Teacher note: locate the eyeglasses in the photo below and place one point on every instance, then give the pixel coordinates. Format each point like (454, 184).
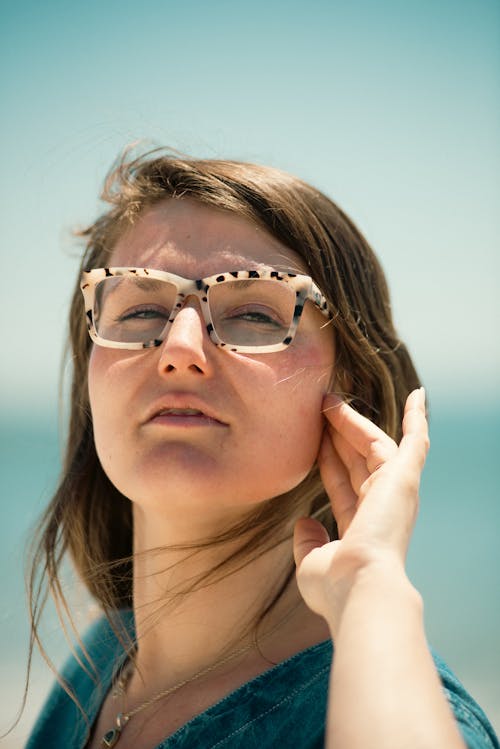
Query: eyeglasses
(249, 311)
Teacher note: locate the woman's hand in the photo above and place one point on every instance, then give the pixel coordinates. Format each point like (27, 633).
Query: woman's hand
(373, 488)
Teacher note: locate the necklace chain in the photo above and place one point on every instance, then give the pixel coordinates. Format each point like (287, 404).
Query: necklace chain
(113, 735)
(203, 672)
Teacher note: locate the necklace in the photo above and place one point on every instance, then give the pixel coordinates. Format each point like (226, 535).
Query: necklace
(112, 736)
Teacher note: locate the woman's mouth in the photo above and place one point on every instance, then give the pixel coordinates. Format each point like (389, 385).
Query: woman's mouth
(184, 417)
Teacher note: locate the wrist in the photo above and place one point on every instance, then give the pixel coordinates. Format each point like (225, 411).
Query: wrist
(376, 591)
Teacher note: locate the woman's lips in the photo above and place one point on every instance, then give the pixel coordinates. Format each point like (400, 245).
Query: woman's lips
(184, 417)
(183, 409)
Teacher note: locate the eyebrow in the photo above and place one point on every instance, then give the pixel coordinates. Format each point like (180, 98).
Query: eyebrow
(106, 291)
(150, 283)
(243, 283)
(139, 282)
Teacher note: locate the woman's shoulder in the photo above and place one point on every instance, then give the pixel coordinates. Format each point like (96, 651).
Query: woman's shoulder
(291, 699)
(475, 727)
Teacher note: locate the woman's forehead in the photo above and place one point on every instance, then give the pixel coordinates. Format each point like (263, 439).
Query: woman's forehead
(195, 240)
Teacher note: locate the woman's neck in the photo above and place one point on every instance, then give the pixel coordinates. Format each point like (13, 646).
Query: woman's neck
(184, 624)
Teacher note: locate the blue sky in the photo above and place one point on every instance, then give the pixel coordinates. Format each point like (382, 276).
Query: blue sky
(392, 108)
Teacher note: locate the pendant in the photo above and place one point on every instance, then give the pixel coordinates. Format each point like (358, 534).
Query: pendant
(112, 736)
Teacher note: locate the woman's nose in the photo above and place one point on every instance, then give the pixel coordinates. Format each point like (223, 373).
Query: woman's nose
(187, 342)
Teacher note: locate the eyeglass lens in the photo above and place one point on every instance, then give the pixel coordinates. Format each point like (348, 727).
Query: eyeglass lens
(253, 312)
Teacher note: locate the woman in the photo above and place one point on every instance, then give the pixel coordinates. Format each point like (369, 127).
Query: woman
(242, 384)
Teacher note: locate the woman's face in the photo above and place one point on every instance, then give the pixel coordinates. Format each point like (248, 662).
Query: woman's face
(260, 425)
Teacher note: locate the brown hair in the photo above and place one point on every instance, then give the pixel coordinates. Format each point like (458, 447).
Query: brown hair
(87, 516)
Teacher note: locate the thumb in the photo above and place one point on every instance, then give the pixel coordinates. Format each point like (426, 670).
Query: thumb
(308, 535)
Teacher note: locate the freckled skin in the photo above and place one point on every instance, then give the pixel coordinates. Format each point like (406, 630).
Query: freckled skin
(269, 403)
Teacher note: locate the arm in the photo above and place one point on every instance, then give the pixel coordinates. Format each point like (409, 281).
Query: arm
(384, 689)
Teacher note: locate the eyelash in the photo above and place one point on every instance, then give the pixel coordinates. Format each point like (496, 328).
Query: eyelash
(251, 315)
(134, 314)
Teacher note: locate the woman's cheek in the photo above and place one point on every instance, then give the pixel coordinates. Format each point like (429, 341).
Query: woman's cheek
(107, 412)
(302, 393)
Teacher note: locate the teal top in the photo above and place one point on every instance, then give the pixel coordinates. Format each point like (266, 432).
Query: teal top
(285, 706)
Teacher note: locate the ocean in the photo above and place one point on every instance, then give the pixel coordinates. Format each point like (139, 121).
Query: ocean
(454, 559)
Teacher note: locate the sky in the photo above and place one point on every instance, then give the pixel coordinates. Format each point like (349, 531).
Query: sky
(391, 108)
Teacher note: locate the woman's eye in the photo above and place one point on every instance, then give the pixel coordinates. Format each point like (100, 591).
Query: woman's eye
(143, 314)
(256, 316)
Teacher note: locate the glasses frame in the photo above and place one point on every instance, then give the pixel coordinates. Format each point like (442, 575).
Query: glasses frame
(303, 286)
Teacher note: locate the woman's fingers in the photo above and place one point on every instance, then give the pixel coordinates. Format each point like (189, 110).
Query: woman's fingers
(337, 482)
(375, 509)
(352, 450)
(313, 552)
(351, 458)
(308, 535)
(415, 443)
(371, 442)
